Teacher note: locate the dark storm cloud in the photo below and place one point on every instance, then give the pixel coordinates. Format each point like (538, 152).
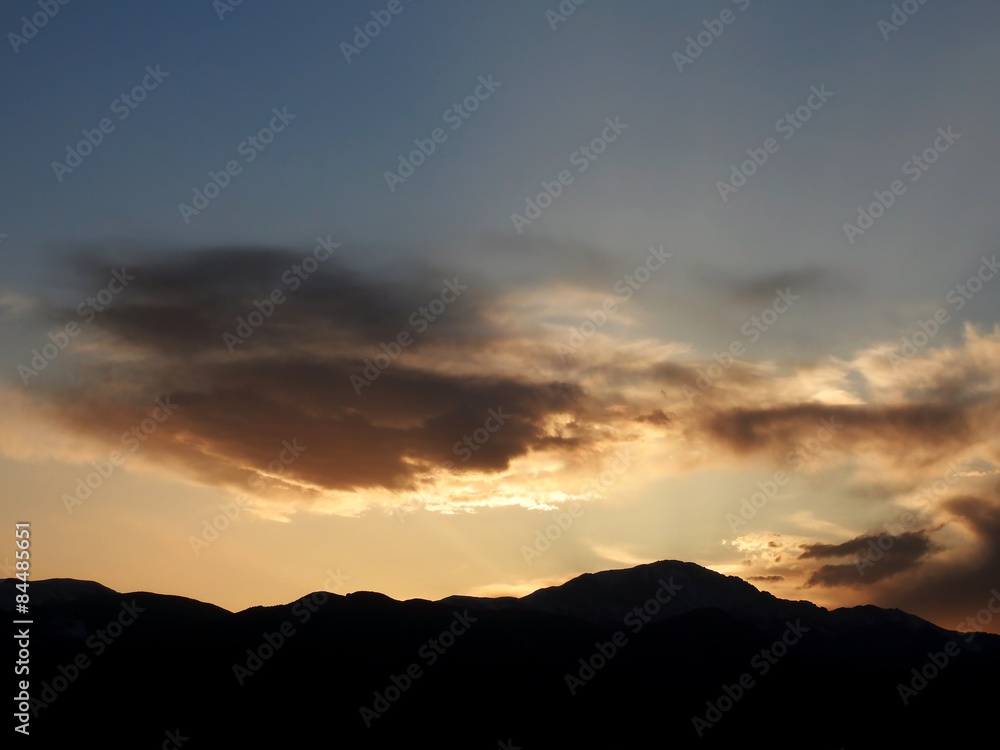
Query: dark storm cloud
(760, 289)
(848, 575)
(184, 304)
(745, 430)
(905, 552)
(292, 378)
(241, 415)
(657, 417)
(671, 373)
(910, 543)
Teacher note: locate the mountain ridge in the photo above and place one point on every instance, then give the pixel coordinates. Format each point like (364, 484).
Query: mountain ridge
(603, 660)
(729, 593)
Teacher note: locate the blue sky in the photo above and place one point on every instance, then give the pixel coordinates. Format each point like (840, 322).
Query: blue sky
(657, 185)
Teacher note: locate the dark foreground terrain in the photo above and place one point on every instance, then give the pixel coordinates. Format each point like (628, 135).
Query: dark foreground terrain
(662, 655)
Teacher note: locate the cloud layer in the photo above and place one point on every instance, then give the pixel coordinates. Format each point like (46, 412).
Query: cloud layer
(415, 385)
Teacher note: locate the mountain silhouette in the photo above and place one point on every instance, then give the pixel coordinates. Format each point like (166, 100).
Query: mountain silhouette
(668, 654)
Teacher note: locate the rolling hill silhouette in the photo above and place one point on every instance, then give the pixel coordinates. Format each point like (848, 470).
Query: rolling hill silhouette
(668, 654)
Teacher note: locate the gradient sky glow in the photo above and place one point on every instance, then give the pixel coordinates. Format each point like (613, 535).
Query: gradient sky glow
(594, 359)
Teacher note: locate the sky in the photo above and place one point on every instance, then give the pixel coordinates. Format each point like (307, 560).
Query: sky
(468, 298)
